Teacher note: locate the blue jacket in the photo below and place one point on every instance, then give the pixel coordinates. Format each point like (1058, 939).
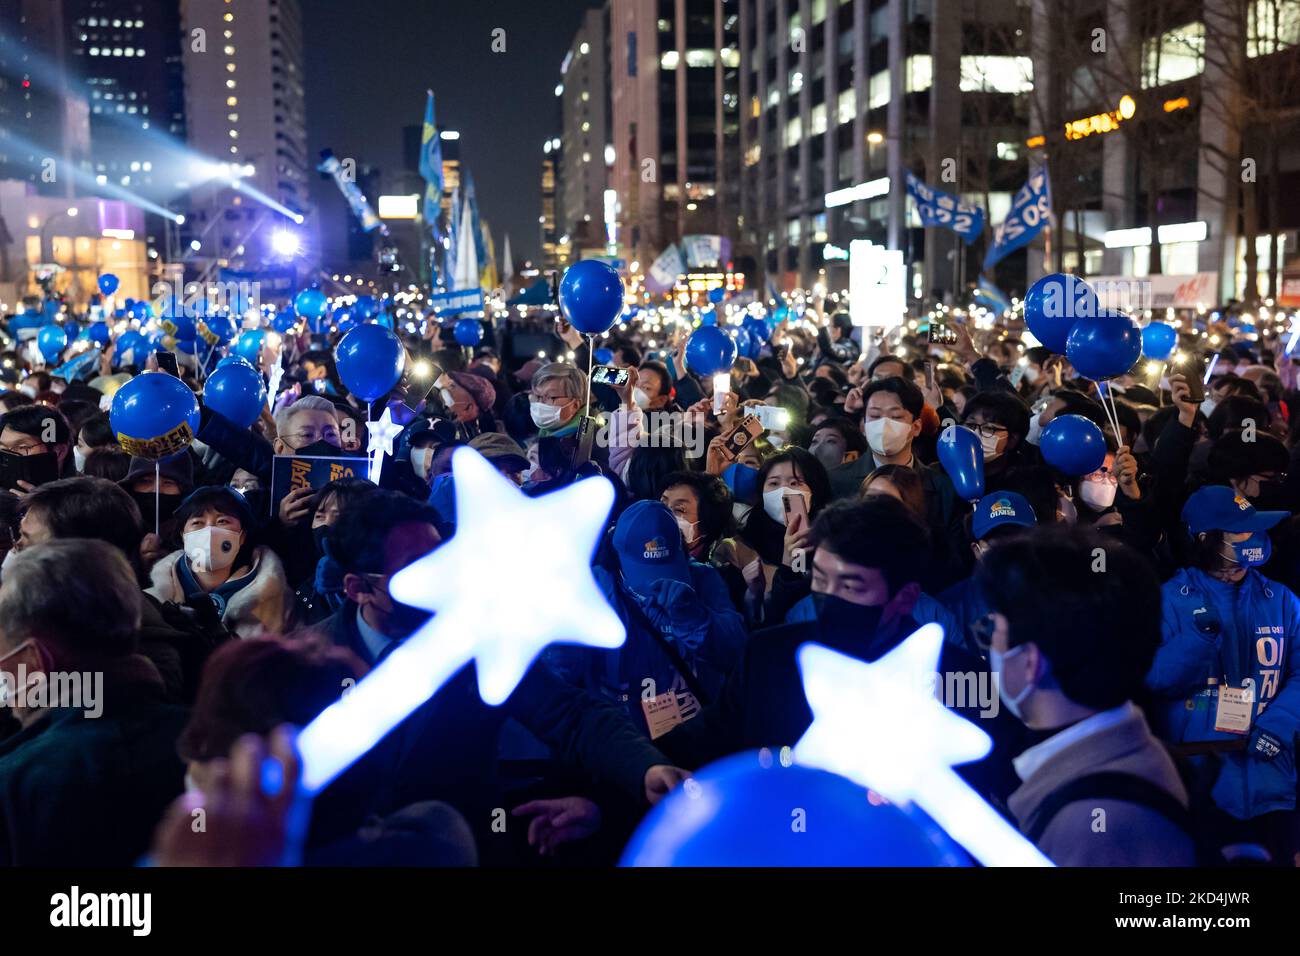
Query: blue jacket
(698, 620)
(1225, 632)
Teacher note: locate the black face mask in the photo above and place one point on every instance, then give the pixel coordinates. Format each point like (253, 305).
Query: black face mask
(167, 505)
(838, 616)
(319, 537)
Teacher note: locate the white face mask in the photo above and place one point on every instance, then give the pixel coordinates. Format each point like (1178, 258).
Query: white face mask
(421, 462)
(544, 416)
(5, 563)
(1032, 374)
(774, 502)
(1097, 495)
(996, 660)
(687, 529)
(886, 436)
(78, 459)
(1035, 431)
(990, 446)
(211, 549)
(1208, 406)
(639, 398)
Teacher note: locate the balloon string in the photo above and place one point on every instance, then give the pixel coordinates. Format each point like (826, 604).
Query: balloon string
(591, 351)
(1112, 414)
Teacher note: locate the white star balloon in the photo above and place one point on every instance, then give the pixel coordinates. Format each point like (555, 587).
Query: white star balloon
(880, 725)
(382, 435)
(515, 577)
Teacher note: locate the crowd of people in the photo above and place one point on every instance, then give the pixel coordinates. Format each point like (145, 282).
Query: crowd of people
(1132, 625)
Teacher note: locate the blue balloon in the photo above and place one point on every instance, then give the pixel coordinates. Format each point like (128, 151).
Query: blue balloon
(1159, 340)
(236, 391)
(370, 360)
(365, 308)
(180, 326)
(1072, 444)
(311, 303)
(757, 327)
(1054, 304)
(717, 295)
(98, 332)
(468, 332)
(1104, 346)
(710, 350)
(737, 813)
(154, 415)
(108, 283)
(962, 458)
(51, 340)
(130, 348)
(72, 329)
(709, 317)
(591, 295)
(215, 331)
(603, 356)
(747, 345)
(188, 346)
(282, 322)
(249, 345)
(345, 325)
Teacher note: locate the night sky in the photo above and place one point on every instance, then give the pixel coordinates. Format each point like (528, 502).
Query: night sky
(369, 63)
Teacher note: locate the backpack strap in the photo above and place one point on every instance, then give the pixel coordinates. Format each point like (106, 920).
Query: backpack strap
(1123, 787)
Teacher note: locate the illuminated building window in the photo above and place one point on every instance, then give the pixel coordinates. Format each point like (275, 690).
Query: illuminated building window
(997, 74)
(1173, 56)
(847, 106)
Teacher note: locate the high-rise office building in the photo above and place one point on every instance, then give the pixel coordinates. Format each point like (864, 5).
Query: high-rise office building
(127, 55)
(244, 103)
(841, 98)
(675, 106)
(586, 154)
(44, 115)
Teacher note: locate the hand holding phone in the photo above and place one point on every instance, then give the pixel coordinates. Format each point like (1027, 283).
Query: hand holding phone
(740, 437)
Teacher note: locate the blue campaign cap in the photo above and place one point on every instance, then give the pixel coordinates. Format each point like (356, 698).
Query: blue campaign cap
(742, 480)
(999, 508)
(649, 545)
(1219, 508)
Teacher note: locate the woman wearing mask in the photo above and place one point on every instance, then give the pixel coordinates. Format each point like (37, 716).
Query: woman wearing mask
(322, 593)
(1001, 422)
(774, 535)
(1225, 673)
(158, 492)
(246, 585)
(1111, 499)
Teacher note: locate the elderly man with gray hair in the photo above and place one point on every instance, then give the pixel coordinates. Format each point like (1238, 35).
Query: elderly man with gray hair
(556, 398)
(94, 765)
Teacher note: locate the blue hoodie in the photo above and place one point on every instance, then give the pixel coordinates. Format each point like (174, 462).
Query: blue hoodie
(701, 623)
(1226, 632)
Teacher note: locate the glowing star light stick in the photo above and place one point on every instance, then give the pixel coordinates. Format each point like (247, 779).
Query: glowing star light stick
(541, 546)
(858, 710)
(382, 435)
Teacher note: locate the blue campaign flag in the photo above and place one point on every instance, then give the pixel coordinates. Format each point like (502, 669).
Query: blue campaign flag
(431, 165)
(480, 247)
(447, 304)
(938, 208)
(990, 296)
(1031, 211)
